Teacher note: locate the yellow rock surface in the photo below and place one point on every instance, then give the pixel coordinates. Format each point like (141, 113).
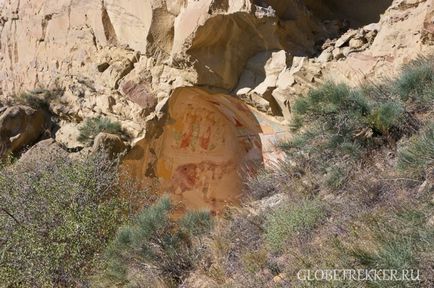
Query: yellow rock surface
(207, 143)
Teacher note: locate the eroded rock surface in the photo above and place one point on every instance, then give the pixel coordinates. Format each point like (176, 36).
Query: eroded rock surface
(108, 143)
(206, 143)
(130, 60)
(20, 126)
(120, 58)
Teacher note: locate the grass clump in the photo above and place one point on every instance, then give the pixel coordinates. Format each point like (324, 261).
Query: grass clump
(402, 239)
(93, 126)
(385, 116)
(156, 241)
(196, 223)
(287, 221)
(418, 155)
(416, 83)
(335, 105)
(39, 98)
(339, 113)
(56, 215)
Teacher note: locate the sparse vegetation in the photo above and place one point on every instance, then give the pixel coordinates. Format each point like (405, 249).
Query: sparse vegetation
(291, 219)
(56, 215)
(372, 206)
(338, 115)
(39, 98)
(154, 244)
(355, 191)
(415, 85)
(93, 126)
(418, 155)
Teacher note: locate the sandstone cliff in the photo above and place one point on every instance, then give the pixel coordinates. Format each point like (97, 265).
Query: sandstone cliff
(123, 59)
(305, 125)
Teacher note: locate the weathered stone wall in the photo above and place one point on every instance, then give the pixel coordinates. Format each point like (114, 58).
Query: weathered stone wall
(124, 59)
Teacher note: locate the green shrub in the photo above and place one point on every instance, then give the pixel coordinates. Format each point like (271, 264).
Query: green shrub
(93, 126)
(415, 157)
(335, 177)
(331, 115)
(342, 112)
(196, 223)
(154, 239)
(335, 105)
(338, 125)
(416, 82)
(402, 240)
(377, 220)
(386, 115)
(39, 98)
(391, 254)
(288, 221)
(299, 141)
(56, 215)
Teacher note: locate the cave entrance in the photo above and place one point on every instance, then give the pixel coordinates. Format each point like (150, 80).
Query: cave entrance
(356, 13)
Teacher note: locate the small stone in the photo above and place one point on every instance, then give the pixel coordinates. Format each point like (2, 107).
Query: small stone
(431, 221)
(370, 36)
(327, 44)
(337, 54)
(102, 67)
(425, 187)
(243, 91)
(326, 55)
(345, 38)
(278, 279)
(346, 51)
(372, 27)
(109, 143)
(357, 43)
(67, 135)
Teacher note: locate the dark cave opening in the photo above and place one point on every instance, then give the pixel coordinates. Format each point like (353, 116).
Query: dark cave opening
(355, 13)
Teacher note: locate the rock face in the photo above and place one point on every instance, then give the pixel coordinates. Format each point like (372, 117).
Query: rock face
(62, 38)
(130, 60)
(109, 143)
(20, 126)
(120, 58)
(400, 36)
(204, 142)
(202, 148)
(47, 147)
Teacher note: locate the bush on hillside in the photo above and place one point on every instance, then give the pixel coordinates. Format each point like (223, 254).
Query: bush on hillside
(417, 155)
(342, 154)
(290, 220)
(56, 215)
(93, 126)
(336, 126)
(416, 83)
(39, 98)
(341, 113)
(153, 240)
(402, 239)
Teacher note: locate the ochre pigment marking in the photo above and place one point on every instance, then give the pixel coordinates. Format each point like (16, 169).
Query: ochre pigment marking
(209, 142)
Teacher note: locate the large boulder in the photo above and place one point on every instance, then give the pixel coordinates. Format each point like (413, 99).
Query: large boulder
(49, 148)
(21, 126)
(202, 148)
(108, 143)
